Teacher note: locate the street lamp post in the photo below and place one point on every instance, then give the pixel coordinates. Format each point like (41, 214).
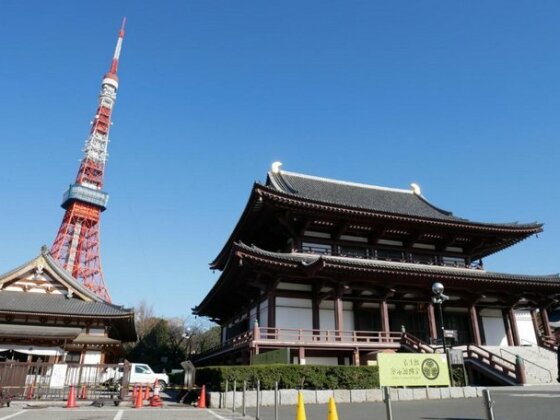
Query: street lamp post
(438, 299)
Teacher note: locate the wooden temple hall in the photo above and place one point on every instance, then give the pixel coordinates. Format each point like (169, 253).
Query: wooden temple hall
(47, 315)
(338, 271)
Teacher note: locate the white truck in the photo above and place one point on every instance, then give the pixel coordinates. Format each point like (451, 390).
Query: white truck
(140, 373)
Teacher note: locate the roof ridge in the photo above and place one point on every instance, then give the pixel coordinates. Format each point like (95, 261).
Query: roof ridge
(348, 183)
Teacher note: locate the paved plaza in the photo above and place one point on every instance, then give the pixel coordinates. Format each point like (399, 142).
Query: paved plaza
(511, 403)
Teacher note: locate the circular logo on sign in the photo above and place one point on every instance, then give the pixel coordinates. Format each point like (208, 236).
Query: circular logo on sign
(430, 369)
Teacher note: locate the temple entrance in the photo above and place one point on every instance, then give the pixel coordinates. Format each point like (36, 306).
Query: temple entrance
(407, 318)
(457, 319)
(368, 319)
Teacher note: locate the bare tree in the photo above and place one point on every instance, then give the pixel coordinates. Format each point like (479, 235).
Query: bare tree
(144, 319)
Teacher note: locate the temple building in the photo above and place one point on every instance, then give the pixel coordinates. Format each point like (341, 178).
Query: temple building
(337, 271)
(47, 315)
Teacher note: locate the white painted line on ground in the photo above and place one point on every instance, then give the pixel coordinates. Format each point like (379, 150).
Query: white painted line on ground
(529, 395)
(12, 415)
(119, 415)
(211, 412)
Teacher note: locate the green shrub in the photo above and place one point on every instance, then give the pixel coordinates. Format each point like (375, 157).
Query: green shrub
(289, 377)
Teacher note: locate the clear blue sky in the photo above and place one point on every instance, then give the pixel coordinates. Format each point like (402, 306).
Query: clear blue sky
(461, 98)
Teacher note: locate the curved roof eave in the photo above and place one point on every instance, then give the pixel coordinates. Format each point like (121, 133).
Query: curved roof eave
(531, 228)
(329, 260)
(221, 259)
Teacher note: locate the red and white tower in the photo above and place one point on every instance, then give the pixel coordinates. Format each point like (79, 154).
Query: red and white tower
(77, 243)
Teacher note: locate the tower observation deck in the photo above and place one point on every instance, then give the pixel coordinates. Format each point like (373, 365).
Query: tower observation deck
(77, 244)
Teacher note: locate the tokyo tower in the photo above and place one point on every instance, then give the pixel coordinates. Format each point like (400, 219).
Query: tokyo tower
(77, 243)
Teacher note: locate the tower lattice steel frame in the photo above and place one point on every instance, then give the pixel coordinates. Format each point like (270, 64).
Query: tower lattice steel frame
(77, 243)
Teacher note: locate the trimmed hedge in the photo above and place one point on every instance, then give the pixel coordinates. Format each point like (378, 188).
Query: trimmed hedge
(177, 378)
(289, 377)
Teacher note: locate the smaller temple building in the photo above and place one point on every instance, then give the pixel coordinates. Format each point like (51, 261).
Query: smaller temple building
(337, 271)
(46, 315)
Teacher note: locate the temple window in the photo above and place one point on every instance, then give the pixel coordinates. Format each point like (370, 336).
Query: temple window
(453, 261)
(389, 255)
(316, 248)
(314, 234)
(354, 251)
(422, 258)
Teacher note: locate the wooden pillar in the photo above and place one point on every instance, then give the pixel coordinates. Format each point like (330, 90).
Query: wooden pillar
(302, 356)
(432, 324)
(384, 312)
(474, 325)
(356, 357)
(338, 313)
(271, 310)
(514, 330)
(545, 321)
(316, 319)
(507, 323)
(536, 325)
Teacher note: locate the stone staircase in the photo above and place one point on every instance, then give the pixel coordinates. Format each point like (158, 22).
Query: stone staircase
(540, 363)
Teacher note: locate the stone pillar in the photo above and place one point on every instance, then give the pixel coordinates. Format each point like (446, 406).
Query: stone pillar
(432, 324)
(475, 329)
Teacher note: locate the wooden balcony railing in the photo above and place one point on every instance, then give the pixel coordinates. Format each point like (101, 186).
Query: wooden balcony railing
(326, 337)
(494, 361)
(549, 342)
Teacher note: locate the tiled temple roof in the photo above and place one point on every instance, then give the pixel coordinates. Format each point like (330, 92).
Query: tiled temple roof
(50, 304)
(367, 197)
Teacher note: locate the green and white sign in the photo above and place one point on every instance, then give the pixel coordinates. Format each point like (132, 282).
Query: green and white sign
(409, 369)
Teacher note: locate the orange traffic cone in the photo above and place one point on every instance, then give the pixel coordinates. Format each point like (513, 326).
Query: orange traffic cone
(29, 393)
(83, 393)
(147, 393)
(155, 400)
(202, 399)
(71, 403)
(134, 392)
(139, 403)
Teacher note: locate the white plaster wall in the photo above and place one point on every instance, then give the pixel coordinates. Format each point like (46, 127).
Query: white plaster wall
(323, 361)
(293, 314)
(348, 320)
(252, 317)
(326, 316)
(525, 328)
(92, 358)
(263, 313)
(494, 328)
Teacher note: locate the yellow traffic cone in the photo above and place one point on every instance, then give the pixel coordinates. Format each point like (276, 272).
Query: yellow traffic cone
(333, 415)
(300, 414)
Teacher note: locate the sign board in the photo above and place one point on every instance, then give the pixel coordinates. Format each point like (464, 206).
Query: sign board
(410, 369)
(274, 357)
(58, 375)
(455, 356)
(451, 334)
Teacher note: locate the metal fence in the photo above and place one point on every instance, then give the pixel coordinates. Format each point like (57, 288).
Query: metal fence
(38, 380)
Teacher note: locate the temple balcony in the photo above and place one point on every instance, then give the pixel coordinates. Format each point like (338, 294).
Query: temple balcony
(388, 255)
(275, 338)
